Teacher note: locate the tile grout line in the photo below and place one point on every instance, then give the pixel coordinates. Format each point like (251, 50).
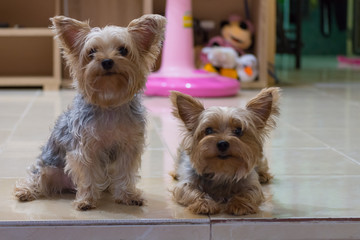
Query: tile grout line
(355, 103)
(166, 147)
(21, 118)
(326, 146)
(334, 149)
(322, 142)
(348, 157)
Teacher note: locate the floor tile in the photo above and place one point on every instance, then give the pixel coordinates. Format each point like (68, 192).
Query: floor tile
(159, 206)
(337, 137)
(310, 162)
(286, 135)
(8, 122)
(305, 230)
(156, 163)
(19, 163)
(297, 197)
(351, 152)
(316, 196)
(313, 154)
(4, 135)
(149, 231)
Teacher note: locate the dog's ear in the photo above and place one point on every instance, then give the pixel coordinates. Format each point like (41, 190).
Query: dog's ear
(70, 33)
(148, 33)
(186, 108)
(264, 107)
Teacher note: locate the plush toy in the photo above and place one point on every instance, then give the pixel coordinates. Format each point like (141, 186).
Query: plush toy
(247, 68)
(235, 33)
(226, 62)
(221, 60)
(221, 57)
(223, 53)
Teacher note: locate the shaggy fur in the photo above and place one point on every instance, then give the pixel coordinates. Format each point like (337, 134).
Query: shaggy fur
(220, 161)
(97, 143)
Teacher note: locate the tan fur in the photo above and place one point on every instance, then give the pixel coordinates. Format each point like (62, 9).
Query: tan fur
(97, 144)
(143, 37)
(212, 177)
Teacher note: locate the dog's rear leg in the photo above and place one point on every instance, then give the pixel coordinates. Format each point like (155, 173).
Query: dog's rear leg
(29, 189)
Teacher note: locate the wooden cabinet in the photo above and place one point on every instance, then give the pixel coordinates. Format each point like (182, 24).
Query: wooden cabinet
(28, 54)
(262, 15)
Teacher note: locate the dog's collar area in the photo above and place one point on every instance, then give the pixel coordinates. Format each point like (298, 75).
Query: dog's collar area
(207, 176)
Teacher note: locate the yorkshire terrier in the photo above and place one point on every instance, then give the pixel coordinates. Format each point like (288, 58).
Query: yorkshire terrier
(97, 143)
(220, 164)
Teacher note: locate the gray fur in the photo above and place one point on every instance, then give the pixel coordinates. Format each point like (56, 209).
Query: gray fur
(221, 190)
(77, 123)
(98, 142)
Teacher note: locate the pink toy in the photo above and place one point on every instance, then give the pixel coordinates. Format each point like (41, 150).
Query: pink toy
(177, 71)
(348, 60)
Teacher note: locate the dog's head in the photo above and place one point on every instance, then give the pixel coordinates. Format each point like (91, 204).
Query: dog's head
(109, 65)
(225, 143)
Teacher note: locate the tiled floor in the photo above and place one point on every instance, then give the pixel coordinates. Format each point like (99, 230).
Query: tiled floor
(314, 154)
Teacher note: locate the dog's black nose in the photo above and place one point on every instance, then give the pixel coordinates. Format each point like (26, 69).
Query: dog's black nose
(223, 145)
(107, 64)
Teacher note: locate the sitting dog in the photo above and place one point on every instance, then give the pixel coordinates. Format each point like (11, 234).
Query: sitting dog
(97, 143)
(220, 161)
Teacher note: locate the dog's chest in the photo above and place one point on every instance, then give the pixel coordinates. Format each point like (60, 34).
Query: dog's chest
(106, 127)
(116, 126)
(100, 130)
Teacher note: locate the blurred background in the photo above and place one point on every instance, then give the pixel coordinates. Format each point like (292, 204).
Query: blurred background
(291, 35)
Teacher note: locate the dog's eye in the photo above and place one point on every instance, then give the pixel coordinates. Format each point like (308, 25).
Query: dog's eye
(91, 53)
(238, 132)
(123, 51)
(209, 131)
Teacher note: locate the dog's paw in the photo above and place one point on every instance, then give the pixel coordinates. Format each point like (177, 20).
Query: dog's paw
(131, 202)
(204, 206)
(133, 199)
(24, 194)
(265, 177)
(85, 205)
(26, 190)
(241, 207)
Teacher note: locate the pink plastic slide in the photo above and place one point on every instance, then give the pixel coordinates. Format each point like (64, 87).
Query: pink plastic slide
(177, 71)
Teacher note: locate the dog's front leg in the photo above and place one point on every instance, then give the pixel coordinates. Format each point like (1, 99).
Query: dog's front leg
(262, 169)
(247, 201)
(124, 176)
(197, 201)
(88, 176)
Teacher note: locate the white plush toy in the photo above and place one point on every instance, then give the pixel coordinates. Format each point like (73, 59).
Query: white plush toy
(221, 57)
(247, 67)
